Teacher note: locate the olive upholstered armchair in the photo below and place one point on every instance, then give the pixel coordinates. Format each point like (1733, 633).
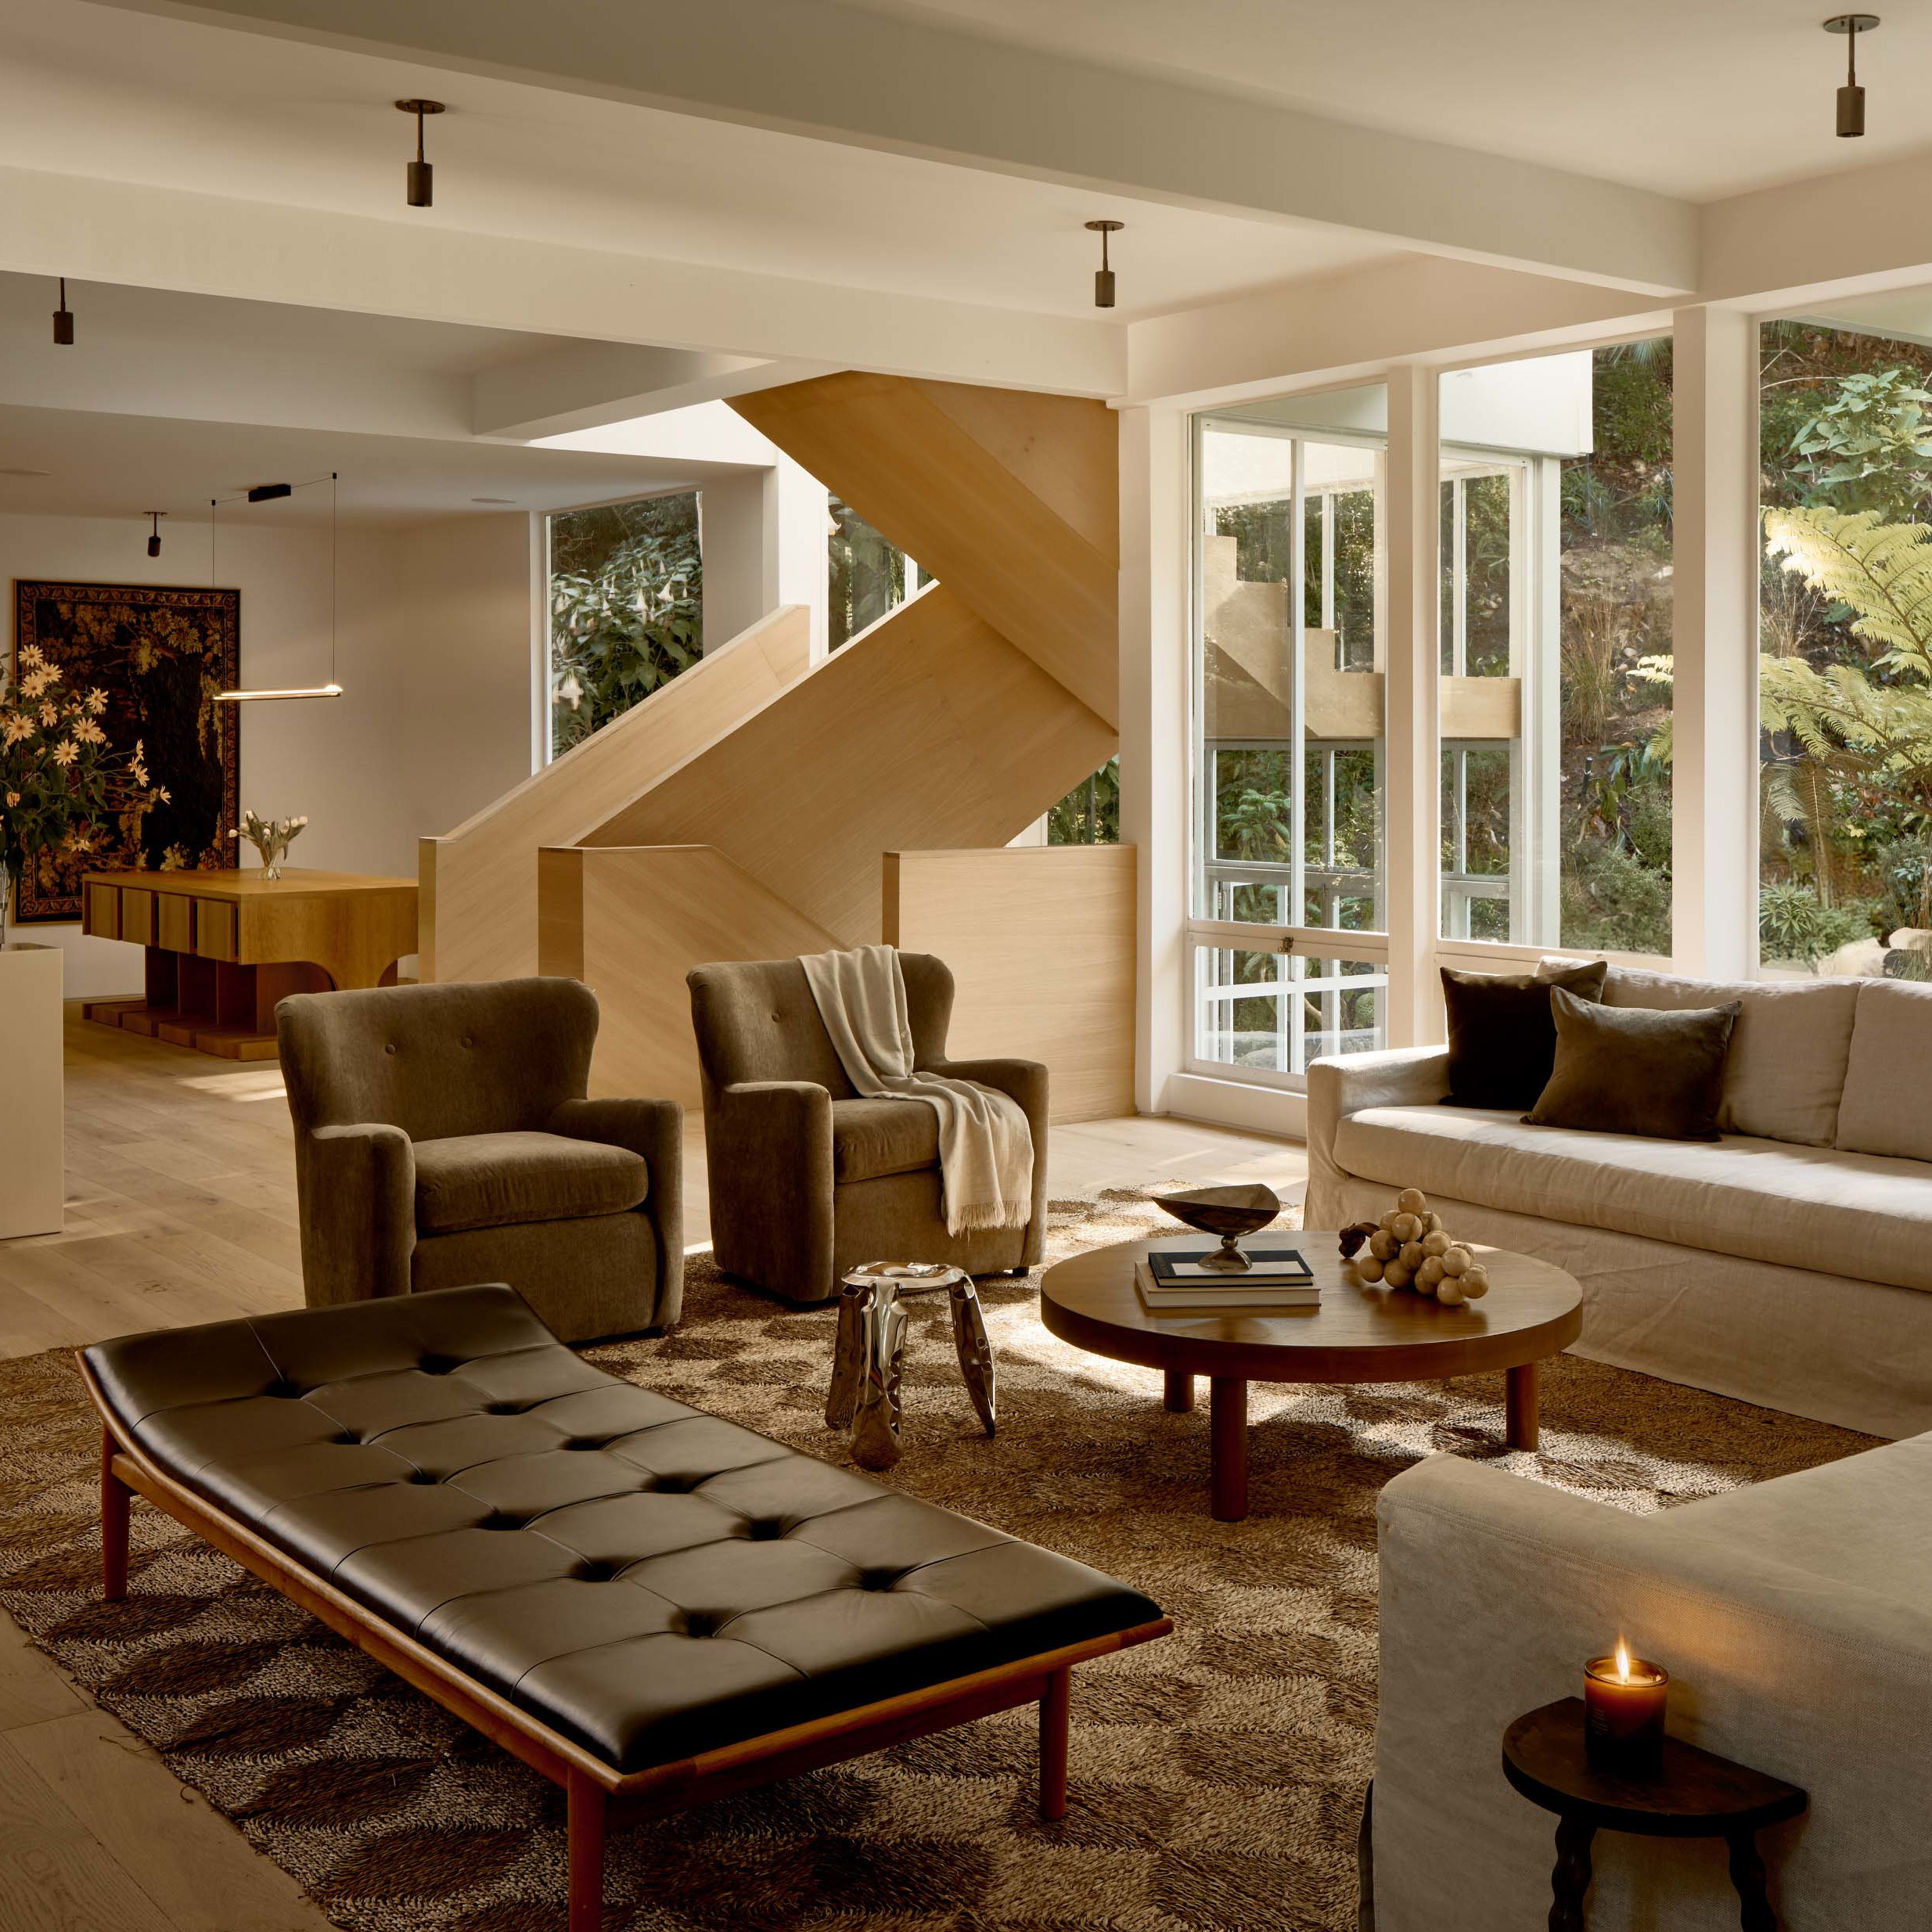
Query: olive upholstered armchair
(807, 1180)
(442, 1137)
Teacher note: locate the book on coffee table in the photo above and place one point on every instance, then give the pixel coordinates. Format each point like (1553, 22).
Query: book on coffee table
(1288, 1285)
(1174, 1267)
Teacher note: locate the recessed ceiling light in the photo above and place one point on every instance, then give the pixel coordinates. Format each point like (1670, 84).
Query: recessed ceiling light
(26, 472)
(493, 499)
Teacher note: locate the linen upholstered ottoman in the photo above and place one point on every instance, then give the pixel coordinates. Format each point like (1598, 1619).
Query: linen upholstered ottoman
(648, 1604)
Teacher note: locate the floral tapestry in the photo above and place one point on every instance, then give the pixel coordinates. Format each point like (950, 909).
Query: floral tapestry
(160, 655)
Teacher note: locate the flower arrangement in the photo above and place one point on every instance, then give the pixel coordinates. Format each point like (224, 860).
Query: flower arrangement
(58, 778)
(271, 837)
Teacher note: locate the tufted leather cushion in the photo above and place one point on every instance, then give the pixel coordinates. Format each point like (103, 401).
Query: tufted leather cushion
(497, 1180)
(649, 1581)
(870, 1138)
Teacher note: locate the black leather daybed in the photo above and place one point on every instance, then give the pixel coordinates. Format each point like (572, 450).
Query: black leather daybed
(646, 1603)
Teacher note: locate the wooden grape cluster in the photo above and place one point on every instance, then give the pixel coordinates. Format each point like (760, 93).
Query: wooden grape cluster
(1410, 1248)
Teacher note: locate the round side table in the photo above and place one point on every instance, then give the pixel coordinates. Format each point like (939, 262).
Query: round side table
(1693, 1793)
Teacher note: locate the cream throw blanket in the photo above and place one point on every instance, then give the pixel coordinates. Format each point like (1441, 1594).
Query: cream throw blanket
(985, 1147)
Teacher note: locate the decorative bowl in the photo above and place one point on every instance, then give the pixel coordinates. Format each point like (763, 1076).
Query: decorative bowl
(1229, 1212)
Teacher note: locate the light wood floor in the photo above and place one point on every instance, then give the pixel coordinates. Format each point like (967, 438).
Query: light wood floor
(181, 1208)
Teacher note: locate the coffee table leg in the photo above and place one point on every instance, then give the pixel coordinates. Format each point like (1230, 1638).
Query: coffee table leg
(1177, 1397)
(1570, 1880)
(1520, 1405)
(1227, 1448)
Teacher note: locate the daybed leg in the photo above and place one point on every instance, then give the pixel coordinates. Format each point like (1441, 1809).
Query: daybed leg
(1054, 1708)
(587, 1803)
(115, 1497)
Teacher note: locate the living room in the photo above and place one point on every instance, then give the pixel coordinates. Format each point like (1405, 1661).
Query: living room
(1243, 690)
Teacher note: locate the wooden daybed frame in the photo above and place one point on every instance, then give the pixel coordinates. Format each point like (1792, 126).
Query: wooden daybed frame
(591, 1786)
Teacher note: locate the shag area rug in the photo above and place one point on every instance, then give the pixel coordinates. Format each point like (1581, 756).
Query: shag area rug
(1217, 1775)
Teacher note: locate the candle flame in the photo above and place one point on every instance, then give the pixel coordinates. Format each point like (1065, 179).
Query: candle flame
(1623, 1662)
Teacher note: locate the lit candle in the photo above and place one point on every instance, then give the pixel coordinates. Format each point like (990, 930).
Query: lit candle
(1623, 1702)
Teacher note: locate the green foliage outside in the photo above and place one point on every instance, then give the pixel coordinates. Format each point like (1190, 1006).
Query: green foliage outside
(1846, 635)
(626, 609)
(1090, 813)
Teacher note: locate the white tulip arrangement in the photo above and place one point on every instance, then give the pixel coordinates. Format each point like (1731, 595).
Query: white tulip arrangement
(1410, 1248)
(271, 837)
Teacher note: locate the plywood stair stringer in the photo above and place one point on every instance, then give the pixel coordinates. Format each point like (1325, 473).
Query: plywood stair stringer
(965, 486)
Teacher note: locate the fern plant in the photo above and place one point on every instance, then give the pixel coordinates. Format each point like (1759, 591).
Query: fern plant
(1872, 722)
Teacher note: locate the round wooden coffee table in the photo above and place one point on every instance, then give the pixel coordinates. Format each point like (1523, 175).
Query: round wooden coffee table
(1357, 1333)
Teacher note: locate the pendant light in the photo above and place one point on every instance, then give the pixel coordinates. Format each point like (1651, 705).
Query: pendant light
(1851, 96)
(268, 492)
(63, 319)
(154, 534)
(421, 176)
(1104, 275)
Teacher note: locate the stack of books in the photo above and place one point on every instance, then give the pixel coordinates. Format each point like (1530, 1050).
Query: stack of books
(1173, 1279)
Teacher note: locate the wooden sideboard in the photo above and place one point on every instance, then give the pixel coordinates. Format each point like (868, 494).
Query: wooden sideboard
(223, 947)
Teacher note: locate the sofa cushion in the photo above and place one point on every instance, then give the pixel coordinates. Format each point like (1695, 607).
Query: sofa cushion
(1838, 1214)
(1887, 1083)
(870, 1138)
(1788, 1049)
(496, 1180)
(1502, 1036)
(648, 1580)
(1634, 1070)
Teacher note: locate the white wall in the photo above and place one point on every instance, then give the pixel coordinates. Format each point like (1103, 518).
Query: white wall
(434, 650)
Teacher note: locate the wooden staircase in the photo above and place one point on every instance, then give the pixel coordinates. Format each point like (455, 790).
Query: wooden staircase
(749, 816)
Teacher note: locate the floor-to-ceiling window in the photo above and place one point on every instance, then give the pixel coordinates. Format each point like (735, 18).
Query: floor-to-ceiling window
(1286, 935)
(1555, 702)
(626, 607)
(1845, 638)
(867, 575)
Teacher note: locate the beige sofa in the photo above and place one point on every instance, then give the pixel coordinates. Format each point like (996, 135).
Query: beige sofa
(1796, 1619)
(1788, 1263)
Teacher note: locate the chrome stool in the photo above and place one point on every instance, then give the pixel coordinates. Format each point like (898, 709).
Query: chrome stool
(871, 1354)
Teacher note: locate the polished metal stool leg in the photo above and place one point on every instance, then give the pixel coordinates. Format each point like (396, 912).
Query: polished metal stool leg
(846, 1359)
(975, 1350)
(876, 1424)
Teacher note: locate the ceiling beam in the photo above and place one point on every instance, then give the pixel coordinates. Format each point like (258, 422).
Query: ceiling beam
(166, 238)
(911, 87)
(592, 384)
(1353, 325)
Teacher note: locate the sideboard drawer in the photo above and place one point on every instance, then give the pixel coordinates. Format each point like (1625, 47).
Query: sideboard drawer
(174, 922)
(137, 915)
(214, 928)
(100, 911)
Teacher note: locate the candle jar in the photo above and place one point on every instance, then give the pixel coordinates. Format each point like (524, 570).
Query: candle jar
(1623, 1701)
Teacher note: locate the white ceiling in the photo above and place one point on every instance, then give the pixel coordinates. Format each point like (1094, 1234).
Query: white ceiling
(117, 321)
(101, 465)
(1698, 98)
(135, 97)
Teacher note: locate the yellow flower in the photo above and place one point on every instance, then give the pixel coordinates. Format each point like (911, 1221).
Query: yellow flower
(49, 715)
(90, 733)
(13, 798)
(18, 725)
(32, 655)
(80, 841)
(161, 796)
(66, 752)
(97, 702)
(34, 683)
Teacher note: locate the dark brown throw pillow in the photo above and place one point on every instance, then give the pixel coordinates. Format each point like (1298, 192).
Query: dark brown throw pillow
(1503, 1040)
(1632, 1070)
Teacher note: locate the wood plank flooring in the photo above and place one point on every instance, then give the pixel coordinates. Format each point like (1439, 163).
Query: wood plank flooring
(181, 1208)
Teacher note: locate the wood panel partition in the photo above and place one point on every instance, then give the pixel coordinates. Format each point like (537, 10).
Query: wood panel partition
(1041, 940)
(631, 922)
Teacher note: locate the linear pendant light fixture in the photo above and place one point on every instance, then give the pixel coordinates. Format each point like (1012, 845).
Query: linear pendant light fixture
(1104, 275)
(1851, 96)
(421, 176)
(267, 493)
(63, 319)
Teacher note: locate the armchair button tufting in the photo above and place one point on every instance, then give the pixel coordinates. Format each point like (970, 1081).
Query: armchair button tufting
(423, 1476)
(391, 1048)
(468, 1040)
(584, 1442)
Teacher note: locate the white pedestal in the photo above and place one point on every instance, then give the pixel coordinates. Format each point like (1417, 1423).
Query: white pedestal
(33, 1168)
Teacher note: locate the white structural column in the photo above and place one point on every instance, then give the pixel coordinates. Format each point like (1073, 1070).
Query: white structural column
(1413, 840)
(1715, 772)
(1154, 731)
